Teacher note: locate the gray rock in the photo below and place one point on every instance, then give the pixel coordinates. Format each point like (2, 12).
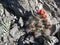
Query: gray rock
(21, 22)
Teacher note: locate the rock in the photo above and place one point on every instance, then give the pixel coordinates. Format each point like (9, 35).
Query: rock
(54, 21)
(21, 22)
(53, 40)
(15, 33)
(1, 10)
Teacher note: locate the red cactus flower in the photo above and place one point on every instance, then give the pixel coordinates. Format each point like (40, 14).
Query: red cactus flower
(44, 16)
(42, 12)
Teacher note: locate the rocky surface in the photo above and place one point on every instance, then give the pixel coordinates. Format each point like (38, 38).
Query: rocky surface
(18, 17)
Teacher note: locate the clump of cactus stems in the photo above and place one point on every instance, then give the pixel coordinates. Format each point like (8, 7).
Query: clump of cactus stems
(40, 24)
